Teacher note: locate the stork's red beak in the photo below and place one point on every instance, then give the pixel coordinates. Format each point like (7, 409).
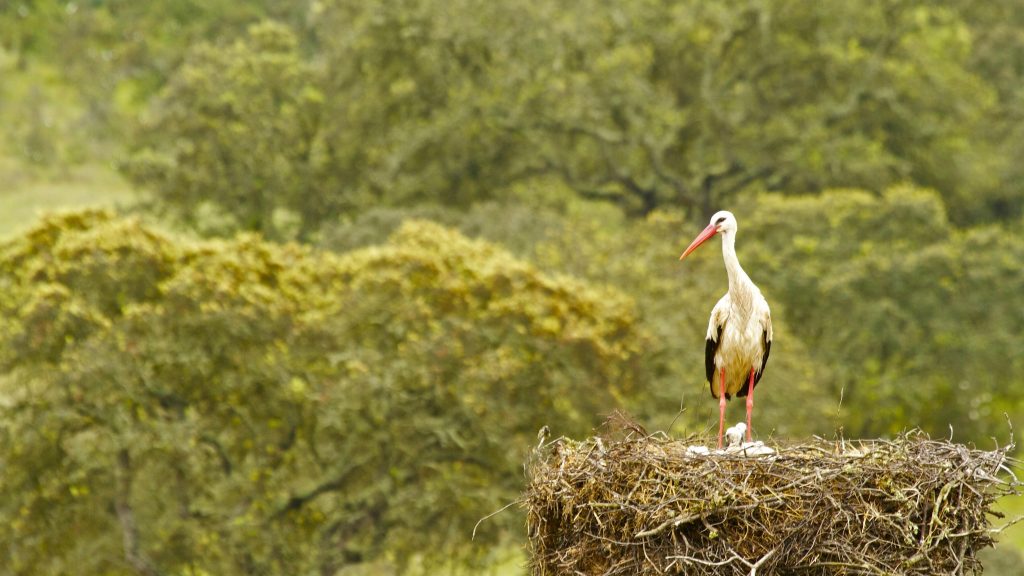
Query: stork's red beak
(700, 239)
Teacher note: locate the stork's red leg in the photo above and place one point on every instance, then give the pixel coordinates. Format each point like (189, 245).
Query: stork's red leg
(750, 402)
(721, 406)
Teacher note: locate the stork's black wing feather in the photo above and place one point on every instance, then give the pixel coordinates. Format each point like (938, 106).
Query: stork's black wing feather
(764, 359)
(710, 348)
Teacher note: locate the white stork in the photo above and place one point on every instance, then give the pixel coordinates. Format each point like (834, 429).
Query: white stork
(740, 331)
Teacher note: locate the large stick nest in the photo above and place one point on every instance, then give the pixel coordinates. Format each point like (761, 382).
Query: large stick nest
(641, 504)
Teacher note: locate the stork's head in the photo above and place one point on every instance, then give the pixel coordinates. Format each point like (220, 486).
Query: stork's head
(722, 222)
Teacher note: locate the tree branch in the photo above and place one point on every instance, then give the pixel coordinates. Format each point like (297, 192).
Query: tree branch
(683, 192)
(225, 462)
(334, 484)
(133, 554)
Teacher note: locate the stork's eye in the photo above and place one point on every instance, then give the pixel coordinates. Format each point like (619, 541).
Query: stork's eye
(720, 220)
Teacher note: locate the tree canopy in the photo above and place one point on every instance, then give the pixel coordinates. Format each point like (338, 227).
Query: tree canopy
(645, 104)
(239, 407)
(937, 309)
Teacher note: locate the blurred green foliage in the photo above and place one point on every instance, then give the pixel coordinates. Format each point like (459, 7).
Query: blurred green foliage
(938, 311)
(236, 132)
(239, 407)
(491, 198)
(646, 104)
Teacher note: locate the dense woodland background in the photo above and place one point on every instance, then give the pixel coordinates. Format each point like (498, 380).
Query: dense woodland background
(355, 254)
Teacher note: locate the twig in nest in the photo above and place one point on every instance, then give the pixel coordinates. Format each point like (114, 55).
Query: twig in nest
(492, 514)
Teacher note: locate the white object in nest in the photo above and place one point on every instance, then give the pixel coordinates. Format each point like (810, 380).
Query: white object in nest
(756, 448)
(735, 434)
(738, 446)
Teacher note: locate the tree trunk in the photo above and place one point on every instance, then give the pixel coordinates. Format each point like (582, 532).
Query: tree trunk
(126, 516)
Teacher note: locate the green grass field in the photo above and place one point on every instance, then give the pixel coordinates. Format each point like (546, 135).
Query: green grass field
(25, 193)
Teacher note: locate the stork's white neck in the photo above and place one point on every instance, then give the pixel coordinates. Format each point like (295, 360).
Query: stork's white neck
(740, 285)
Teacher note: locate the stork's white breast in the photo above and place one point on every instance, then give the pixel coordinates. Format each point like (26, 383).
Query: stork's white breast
(741, 344)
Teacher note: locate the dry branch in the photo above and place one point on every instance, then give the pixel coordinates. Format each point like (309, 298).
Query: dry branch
(640, 504)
